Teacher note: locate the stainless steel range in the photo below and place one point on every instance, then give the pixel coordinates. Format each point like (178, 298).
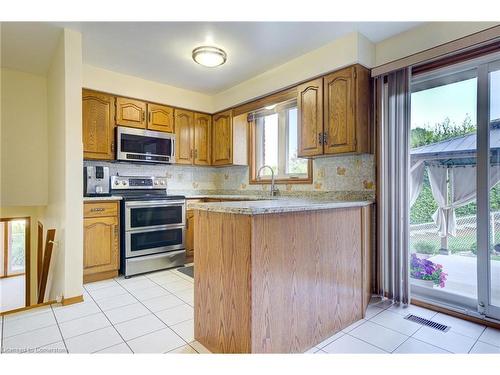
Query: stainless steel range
(153, 224)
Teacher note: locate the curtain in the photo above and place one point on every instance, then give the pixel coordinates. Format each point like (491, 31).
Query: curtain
(416, 180)
(392, 114)
(462, 187)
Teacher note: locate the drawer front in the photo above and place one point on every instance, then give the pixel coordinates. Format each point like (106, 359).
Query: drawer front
(100, 209)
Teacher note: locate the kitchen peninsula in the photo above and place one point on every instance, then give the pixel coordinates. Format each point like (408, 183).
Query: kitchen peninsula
(279, 276)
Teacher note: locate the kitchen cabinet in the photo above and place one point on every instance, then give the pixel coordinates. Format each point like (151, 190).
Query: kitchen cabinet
(222, 136)
(98, 123)
(184, 136)
(310, 118)
(189, 235)
(229, 139)
(160, 118)
(334, 113)
(101, 242)
(131, 113)
(192, 133)
(202, 137)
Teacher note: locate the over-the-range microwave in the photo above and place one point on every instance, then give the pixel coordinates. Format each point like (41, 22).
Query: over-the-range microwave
(144, 145)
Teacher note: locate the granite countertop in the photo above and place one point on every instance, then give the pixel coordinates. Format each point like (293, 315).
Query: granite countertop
(108, 198)
(277, 205)
(246, 197)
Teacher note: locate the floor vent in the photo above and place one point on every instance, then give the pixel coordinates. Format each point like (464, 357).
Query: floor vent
(427, 322)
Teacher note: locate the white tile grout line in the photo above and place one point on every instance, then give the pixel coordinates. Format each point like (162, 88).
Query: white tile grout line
(166, 326)
(59, 328)
(163, 310)
(110, 322)
(96, 302)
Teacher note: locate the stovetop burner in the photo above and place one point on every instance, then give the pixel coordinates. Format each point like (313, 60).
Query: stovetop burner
(143, 195)
(142, 188)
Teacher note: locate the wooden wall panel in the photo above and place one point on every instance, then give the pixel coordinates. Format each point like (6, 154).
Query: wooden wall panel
(306, 278)
(222, 282)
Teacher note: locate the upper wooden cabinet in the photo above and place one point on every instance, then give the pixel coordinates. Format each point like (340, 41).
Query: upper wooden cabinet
(202, 136)
(334, 113)
(131, 112)
(160, 118)
(98, 122)
(310, 119)
(192, 137)
(222, 138)
(184, 136)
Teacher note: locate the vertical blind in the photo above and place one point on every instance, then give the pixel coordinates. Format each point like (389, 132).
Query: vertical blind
(393, 117)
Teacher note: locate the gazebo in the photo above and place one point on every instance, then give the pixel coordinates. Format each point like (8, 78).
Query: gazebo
(451, 167)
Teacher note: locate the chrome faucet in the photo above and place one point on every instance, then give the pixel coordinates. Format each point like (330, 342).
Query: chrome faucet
(274, 189)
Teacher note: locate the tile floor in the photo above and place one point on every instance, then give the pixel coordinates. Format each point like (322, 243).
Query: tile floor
(154, 314)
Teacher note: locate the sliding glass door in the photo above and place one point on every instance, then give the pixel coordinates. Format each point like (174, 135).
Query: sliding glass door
(454, 186)
(489, 203)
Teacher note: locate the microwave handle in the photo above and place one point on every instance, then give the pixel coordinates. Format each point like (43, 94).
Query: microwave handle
(173, 148)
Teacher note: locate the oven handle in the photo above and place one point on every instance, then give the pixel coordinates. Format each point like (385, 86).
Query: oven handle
(157, 203)
(155, 229)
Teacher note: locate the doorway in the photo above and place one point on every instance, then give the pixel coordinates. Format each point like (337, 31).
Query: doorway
(14, 263)
(454, 236)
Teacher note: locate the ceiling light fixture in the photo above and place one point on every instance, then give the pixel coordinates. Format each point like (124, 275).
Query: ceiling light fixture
(269, 107)
(209, 56)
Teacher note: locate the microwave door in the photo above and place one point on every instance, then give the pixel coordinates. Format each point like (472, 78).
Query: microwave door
(144, 145)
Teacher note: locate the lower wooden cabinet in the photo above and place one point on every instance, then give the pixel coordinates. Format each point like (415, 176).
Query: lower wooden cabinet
(101, 241)
(190, 234)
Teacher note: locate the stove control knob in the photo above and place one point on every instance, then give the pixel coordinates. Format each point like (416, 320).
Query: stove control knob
(117, 182)
(157, 182)
(162, 182)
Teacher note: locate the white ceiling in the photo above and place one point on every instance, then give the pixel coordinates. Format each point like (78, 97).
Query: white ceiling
(161, 51)
(28, 46)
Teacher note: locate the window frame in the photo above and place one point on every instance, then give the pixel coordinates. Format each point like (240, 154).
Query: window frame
(253, 180)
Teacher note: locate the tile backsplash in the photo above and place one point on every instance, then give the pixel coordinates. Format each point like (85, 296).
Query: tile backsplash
(353, 173)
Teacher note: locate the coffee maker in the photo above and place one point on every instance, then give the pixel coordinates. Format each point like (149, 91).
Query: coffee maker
(96, 181)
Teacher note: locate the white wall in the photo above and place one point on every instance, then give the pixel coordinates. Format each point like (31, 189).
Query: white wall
(23, 161)
(341, 52)
(135, 87)
(424, 37)
(65, 209)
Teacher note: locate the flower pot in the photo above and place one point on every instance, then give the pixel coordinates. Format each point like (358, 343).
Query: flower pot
(423, 283)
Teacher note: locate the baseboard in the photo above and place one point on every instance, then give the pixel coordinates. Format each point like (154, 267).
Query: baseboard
(444, 310)
(72, 300)
(27, 308)
(90, 278)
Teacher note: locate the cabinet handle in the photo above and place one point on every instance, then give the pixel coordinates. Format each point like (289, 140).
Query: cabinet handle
(149, 117)
(97, 209)
(112, 146)
(195, 153)
(143, 115)
(320, 138)
(325, 139)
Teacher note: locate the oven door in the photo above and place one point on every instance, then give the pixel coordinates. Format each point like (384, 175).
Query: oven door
(145, 145)
(153, 241)
(154, 214)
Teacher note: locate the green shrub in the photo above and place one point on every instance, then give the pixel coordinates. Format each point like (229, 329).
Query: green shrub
(425, 247)
(473, 248)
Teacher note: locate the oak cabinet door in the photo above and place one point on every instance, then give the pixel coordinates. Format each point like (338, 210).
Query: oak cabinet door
(130, 112)
(202, 129)
(101, 244)
(183, 136)
(98, 125)
(339, 107)
(310, 118)
(160, 118)
(222, 138)
(190, 233)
